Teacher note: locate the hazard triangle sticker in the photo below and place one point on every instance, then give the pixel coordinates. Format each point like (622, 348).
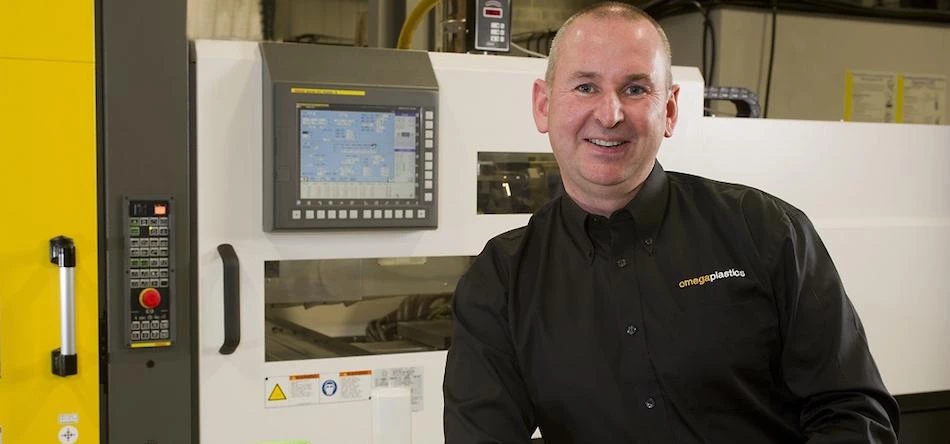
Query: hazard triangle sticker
(277, 394)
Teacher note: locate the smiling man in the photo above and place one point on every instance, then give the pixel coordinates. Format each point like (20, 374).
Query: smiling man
(650, 306)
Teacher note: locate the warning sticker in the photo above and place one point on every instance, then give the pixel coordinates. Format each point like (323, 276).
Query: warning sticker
(411, 377)
(68, 435)
(282, 391)
(346, 386)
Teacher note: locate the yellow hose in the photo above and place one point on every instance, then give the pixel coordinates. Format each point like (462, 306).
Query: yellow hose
(412, 22)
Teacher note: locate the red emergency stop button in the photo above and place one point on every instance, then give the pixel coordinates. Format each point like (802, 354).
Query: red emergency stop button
(150, 298)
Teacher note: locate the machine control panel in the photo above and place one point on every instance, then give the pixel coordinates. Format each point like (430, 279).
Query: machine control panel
(149, 272)
(489, 26)
(347, 145)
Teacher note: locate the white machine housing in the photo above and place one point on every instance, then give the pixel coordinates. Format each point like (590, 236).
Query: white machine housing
(877, 193)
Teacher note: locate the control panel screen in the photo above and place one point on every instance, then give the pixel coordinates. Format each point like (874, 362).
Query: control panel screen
(357, 153)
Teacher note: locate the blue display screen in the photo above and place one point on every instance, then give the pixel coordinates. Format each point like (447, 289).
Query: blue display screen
(357, 154)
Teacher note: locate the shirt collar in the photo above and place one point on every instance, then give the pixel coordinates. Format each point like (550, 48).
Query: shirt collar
(648, 209)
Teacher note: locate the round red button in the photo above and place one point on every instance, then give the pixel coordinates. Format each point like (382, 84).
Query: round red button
(150, 298)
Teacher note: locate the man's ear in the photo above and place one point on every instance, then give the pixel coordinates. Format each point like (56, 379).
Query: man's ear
(539, 105)
(672, 110)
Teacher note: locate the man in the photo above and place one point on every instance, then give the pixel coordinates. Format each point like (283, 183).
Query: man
(646, 306)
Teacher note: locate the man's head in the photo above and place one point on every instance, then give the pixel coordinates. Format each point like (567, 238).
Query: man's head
(607, 102)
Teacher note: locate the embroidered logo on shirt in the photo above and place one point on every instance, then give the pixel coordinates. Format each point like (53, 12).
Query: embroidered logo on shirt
(712, 277)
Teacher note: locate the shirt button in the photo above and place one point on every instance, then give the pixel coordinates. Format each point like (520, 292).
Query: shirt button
(632, 330)
(650, 403)
(648, 241)
(621, 262)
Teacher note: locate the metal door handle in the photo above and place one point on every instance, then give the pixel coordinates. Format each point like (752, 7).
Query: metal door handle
(232, 299)
(62, 253)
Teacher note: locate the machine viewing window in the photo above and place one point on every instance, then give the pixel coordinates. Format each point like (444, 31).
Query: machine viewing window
(353, 307)
(511, 183)
(357, 153)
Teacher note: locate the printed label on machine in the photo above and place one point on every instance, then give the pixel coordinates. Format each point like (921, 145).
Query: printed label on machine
(346, 386)
(283, 391)
(411, 377)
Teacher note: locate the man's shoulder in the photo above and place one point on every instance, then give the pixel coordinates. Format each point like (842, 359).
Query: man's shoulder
(510, 241)
(730, 196)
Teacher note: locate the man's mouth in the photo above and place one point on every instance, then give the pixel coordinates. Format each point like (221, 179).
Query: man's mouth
(606, 143)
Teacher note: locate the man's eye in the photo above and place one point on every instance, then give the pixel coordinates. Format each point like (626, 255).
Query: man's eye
(634, 90)
(586, 88)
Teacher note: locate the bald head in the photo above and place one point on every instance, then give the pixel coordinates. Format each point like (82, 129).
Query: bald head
(604, 11)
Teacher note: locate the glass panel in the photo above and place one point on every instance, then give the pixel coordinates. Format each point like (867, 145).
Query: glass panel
(351, 307)
(510, 183)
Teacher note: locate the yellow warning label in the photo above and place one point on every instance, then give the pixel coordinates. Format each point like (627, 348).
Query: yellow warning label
(151, 344)
(328, 92)
(277, 394)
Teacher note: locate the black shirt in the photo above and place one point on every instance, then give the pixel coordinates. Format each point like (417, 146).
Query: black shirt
(700, 312)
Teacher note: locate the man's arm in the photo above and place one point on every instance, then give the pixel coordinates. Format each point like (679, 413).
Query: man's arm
(485, 396)
(826, 360)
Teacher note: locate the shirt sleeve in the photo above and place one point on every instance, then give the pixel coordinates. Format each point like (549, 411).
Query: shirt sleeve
(485, 396)
(825, 358)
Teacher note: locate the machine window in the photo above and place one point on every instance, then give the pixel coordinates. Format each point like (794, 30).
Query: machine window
(511, 183)
(353, 307)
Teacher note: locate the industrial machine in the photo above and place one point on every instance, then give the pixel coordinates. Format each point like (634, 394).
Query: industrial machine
(280, 270)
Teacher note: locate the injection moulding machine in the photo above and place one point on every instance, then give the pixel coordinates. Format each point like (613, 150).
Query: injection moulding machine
(342, 192)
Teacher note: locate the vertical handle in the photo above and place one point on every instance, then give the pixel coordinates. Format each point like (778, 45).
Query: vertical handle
(62, 253)
(232, 299)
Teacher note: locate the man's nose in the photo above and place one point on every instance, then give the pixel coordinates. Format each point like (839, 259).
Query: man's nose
(609, 112)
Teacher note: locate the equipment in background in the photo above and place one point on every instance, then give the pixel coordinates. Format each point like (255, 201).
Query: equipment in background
(745, 100)
(488, 26)
(346, 144)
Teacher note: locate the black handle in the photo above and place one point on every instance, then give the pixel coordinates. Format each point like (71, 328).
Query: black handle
(232, 299)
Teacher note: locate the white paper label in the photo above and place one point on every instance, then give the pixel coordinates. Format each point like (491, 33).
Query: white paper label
(346, 386)
(411, 377)
(68, 418)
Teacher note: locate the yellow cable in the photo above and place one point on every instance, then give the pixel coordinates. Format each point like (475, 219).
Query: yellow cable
(412, 22)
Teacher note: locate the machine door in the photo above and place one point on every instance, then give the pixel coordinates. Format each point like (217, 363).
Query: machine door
(48, 311)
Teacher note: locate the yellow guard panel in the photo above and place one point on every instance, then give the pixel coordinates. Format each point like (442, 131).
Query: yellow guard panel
(48, 188)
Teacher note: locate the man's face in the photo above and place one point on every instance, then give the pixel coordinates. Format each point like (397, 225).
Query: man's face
(608, 107)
